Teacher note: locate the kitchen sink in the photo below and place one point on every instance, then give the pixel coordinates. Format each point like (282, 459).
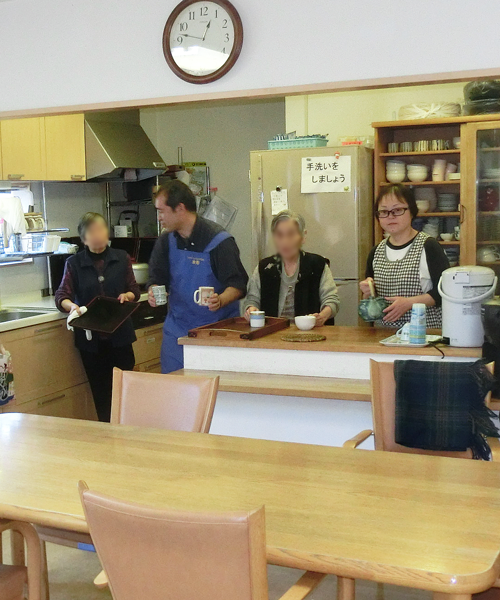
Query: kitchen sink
(14, 314)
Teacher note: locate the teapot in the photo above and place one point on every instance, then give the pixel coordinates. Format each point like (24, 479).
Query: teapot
(372, 308)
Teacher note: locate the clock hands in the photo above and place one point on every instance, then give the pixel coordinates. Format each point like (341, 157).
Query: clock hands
(192, 36)
(206, 29)
(196, 37)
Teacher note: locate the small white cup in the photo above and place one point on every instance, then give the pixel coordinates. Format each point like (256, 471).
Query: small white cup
(403, 334)
(160, 294)
(202, 294)
(257, 318)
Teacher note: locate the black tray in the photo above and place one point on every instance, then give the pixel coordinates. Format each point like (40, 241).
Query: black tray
(105, 315)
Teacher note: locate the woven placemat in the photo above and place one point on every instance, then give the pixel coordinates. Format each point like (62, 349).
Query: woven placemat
(303, 337)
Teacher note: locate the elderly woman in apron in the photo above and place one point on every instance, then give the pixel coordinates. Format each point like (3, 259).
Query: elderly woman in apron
(406, 266)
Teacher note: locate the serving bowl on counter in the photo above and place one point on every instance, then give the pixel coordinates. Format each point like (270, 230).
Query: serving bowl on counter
(305, 322)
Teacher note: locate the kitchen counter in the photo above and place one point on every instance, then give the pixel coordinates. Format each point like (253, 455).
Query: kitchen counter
(338, 339)
(328, 377)
(30, 301)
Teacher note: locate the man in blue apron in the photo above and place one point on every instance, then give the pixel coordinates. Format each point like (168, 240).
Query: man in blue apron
(193, 253)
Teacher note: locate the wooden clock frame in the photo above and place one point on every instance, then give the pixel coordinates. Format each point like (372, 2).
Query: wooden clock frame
(233, 56)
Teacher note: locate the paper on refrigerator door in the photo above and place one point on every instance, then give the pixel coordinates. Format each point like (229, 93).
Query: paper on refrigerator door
(326, 174)
(279, 201)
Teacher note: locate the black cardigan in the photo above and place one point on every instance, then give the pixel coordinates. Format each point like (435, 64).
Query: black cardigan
(307, 300)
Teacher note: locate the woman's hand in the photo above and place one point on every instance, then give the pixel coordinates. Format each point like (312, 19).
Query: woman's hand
(364, 286)
(323, 316)
(126, 297)
(399, 306)
(69, 306)
(248, 311)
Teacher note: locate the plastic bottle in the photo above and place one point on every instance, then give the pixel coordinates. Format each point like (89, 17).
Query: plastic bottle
(417, 324)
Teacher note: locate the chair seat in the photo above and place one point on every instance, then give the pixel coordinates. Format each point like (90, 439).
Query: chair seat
(12, 580)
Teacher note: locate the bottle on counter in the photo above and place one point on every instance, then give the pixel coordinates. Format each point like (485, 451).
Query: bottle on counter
(418, 324)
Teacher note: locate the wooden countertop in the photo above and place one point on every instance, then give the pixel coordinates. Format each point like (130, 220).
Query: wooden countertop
(338, 339)
(418, 521)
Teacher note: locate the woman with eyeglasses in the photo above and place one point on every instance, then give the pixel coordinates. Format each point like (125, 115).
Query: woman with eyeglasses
(406, 266)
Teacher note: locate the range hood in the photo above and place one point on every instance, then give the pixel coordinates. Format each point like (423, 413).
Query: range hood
(120, 151)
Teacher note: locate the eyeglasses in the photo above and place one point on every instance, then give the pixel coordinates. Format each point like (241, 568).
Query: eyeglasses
(395, 212)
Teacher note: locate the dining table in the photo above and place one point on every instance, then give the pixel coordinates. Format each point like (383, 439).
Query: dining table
(422, 522)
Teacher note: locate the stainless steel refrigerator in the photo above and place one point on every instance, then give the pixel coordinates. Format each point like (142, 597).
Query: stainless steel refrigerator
(339, 223)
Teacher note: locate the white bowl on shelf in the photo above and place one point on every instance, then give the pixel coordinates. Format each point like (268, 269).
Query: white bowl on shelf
(417, 173)
(394, 177)
(423, 205)
(447, 237)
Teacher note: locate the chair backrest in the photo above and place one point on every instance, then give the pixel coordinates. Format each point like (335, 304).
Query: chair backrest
(178, 402)
(155, 554)
(384, 412)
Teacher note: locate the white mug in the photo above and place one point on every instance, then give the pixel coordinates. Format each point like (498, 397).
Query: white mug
(403, 334)
(202, 294)
(457, 232)
(488, 254)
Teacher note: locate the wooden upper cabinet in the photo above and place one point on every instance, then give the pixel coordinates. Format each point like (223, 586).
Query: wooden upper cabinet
(65, 148)
(23, 149)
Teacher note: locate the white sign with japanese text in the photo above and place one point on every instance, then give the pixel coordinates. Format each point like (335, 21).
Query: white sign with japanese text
(279, 201)
(326, 174)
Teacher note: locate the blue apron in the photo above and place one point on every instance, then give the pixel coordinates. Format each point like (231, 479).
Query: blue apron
(188, 271)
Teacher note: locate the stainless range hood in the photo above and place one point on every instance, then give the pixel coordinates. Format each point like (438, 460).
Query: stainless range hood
(120, 151)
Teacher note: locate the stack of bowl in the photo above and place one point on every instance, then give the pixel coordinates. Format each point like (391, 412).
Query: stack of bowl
(447, 202)
(395, 171)
(417, 173)
(427, 194)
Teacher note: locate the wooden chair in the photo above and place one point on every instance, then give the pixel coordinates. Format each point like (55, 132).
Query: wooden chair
(383, 387)
(384, 421)
(14, 578)
(207, 556)
(147, 400)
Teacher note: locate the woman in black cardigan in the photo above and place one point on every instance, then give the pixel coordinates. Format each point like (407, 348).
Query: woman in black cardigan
(292, 282)
(100, 271)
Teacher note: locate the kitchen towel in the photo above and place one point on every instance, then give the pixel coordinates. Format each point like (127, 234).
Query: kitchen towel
(440, 406)
(11, 211)
(73, 315)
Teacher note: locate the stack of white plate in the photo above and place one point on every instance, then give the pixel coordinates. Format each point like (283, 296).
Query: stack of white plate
(447, 202)
(395, 171)
(432, 227)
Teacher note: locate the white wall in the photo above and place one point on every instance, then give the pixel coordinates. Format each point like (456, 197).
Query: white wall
(222, 135)
(56, 52)
(351, 113)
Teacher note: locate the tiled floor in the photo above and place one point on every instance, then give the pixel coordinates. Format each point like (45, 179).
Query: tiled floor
(71, 573)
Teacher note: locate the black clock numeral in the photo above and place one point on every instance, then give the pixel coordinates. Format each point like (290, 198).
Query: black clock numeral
(216, 13)
(224, 23)
(183, 26)
(224, 51)
(192, 15)
(226, 37)
(180, 39)
(203, 11)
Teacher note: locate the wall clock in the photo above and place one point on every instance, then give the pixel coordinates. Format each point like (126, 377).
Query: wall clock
(202, 40)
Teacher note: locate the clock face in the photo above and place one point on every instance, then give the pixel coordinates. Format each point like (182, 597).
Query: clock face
(202, 40)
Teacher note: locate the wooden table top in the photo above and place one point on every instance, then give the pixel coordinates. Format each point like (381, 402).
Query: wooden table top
(338, 339)
(418, 521)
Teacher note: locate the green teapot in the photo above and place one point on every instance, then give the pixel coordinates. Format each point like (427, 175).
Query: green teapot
(372, 308)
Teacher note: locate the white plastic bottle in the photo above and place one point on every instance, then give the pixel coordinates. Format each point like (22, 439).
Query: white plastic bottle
(417, 324)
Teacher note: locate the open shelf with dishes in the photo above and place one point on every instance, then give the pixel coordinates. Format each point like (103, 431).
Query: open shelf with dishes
(422, 153)
(472, 143)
